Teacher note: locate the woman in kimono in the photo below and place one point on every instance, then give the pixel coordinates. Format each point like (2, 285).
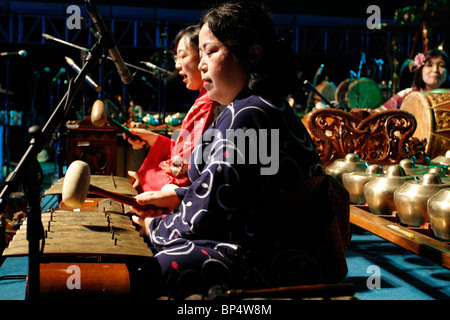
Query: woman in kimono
(242, 222)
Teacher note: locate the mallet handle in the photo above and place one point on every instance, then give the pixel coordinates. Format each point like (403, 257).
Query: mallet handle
(123, 198)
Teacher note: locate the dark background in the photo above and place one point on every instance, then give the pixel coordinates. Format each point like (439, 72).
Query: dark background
(306, 23)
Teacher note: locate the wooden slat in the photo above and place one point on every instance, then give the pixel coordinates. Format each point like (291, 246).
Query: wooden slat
(109, 183)
(412, 239)
(84, 233)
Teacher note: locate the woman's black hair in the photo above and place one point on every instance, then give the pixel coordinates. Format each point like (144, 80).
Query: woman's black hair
(430, 54)
(191, 33)
(239, 25)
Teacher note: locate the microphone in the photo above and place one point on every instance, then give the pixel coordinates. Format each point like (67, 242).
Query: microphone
(110, 43)
(46, 69)
(78, 70)
(319, 71)
(47, 36)
(149, 64)
(60, 72)
(21, 53)
(155, 67)
(144, 79)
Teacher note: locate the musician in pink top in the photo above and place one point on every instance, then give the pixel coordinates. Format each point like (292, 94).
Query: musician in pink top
(430, 73)
(165, 165)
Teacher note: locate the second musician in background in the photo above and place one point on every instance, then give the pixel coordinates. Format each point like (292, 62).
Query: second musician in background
(430, 73)
(165, 166)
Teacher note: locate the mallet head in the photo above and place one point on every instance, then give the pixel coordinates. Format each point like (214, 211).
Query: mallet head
(76, 184)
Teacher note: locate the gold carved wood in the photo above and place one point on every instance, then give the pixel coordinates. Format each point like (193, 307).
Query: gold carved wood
(382, 137)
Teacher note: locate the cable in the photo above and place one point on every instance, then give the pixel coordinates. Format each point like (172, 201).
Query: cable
(13, 277)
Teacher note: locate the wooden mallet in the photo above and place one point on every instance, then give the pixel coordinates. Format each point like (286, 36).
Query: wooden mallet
(77, 186)
(100, 117)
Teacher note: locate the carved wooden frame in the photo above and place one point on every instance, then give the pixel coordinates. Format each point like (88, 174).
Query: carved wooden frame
(379, 137)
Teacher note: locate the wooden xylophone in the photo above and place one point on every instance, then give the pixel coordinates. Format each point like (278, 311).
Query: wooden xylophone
(94, 250)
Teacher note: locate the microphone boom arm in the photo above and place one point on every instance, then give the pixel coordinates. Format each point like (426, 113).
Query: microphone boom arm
(49, 37)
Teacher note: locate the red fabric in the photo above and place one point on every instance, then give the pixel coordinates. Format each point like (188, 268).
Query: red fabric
(396, 101)
(157, 168)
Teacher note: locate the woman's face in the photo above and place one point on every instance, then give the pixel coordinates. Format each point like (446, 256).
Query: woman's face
(434, 73)
(223, 78)
(186, 62)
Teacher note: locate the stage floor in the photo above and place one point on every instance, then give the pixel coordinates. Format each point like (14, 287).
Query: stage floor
(403, 275)
(379, 269)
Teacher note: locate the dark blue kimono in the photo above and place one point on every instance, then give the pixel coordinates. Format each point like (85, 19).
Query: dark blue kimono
(227, 227)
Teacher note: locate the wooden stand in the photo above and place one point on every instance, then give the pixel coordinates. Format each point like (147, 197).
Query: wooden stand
(421, 240)
(96, 146)
(91, 252)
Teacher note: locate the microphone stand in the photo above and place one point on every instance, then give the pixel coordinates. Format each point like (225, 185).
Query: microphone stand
(310, 96)
(29, 171)
(313, 89)
(56, 136)
(162, 75)
(6, 135)
(162, 106)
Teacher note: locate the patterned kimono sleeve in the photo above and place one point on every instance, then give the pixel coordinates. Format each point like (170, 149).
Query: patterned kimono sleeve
(181, 192)
(212, 201)
(203, 212)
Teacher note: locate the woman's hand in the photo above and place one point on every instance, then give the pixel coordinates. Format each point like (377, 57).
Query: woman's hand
(163, 199)
(148, 137)
(135, 176)
(144, 223)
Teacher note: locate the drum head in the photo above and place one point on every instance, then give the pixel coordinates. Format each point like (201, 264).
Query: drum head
(327, 89)
(364, 93)
(417, 104)
(341, 95)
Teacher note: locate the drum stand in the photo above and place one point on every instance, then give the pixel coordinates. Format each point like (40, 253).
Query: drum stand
(29, 171)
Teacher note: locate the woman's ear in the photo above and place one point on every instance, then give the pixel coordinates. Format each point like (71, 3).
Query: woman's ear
(255, 53)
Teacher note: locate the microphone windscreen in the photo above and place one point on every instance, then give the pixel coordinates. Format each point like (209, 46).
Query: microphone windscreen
(76, 184)
(99, 113)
